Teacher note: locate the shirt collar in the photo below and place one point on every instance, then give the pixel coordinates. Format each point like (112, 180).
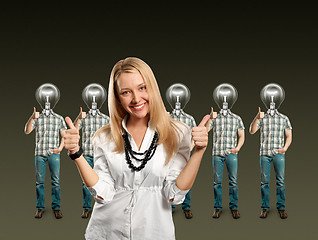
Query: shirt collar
(124, 121)
(181, 112)
(228, 111)
(147, 138)
(97, 112)
(269, 112)
(50, 112)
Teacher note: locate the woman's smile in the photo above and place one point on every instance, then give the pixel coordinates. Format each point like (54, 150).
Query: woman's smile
(139, 107)
(133, 95)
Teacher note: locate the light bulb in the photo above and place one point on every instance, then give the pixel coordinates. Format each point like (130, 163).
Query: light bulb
(272, 95)
(225, 95)
(47, 95)
(94, 95)
(178, 95)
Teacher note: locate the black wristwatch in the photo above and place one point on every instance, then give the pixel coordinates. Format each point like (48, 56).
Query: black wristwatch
(77, 154)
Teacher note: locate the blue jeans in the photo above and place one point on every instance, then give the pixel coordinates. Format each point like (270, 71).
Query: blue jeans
(231, 164)
(86, 193)
(186, 203)
(40, 166)
(279, 166)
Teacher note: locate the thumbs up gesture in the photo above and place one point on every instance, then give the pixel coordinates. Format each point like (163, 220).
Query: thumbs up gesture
(81, 114)
(71, 137)
(213, 115)
(35, 114)
(260, 114)
(200, 134)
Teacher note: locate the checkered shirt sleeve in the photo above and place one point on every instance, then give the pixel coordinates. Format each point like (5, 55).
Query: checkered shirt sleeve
(272, 133)
(89, 126)
(225, 133)
(47, 132)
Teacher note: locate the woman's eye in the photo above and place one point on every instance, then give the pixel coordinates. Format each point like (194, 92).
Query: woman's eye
(143, 88)
(125, 92)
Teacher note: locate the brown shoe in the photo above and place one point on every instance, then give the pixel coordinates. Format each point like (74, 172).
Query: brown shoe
(217, 213)
(188, 214)
(282, 214)
(86, 213)
(39, 213)
(264, 213)
(57, 214)
(235, 214)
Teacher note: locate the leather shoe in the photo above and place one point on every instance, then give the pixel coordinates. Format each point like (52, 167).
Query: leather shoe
(235, 214)
(217, 213)
(282, 214)
(264, 213)
(188, 214)
(39, 213)
(86, 213)
(57, 214)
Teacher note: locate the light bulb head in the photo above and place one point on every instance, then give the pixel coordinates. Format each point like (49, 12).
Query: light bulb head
(225, 95)
(47, 95)
(178, 95)
(94, 95)
(272, 95)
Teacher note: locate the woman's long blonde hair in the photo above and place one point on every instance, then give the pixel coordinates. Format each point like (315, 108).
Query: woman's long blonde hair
(159, 118)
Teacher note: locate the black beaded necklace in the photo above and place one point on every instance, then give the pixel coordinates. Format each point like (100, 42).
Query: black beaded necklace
(148, 153)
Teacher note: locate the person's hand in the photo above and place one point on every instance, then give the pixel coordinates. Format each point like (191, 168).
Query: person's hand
(213, 114)
(233, 150)
(35, 114)
(56, 150)
(280, 150)
(200, 134)
(71, 137)
(81, 114)
(260, 114)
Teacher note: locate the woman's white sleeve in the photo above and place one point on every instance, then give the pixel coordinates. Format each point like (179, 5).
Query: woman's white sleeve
(172, 193)
(103, 191)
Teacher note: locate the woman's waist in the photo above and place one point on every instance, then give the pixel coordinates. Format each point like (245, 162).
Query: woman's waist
(138, 188)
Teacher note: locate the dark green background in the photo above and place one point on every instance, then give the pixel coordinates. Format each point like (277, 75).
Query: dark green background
(200, 46)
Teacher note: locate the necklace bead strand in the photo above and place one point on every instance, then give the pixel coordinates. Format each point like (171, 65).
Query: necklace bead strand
(148, 153)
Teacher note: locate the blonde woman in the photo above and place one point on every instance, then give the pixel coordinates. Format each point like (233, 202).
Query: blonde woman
(140, 159)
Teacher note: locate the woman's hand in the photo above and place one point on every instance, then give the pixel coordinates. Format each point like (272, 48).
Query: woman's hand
(71, 137)
(200, 134)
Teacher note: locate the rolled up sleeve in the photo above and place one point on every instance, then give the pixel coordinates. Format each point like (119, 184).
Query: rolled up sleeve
(103, 191)
(176, 164)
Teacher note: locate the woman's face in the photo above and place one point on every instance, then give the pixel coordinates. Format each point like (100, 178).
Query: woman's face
(133, 95)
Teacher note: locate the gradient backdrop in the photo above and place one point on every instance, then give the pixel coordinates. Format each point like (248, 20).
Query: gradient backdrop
(198, 45)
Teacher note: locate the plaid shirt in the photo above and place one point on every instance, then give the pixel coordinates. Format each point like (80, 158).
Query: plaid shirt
(272, 132)
(89, 126)
(184, 118)
(47, 130)
(225, 132)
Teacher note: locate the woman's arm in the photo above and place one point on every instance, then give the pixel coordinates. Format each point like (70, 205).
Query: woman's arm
(187, 176)
(71, 139)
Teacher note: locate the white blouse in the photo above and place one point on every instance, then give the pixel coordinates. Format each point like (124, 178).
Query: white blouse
(136, 205)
